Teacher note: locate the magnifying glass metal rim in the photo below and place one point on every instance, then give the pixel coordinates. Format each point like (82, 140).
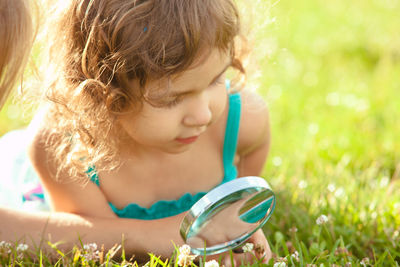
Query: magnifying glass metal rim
(219, 193)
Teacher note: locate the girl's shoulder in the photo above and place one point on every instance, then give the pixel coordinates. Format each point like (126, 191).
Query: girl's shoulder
(40, 129)
(254, 123)
(38, 132)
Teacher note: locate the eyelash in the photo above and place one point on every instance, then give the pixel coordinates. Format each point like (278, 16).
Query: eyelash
(178, 99)
(219, 80)
(174, 102)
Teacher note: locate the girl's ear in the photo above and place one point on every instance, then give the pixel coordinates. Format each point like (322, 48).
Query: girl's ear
(116, 101)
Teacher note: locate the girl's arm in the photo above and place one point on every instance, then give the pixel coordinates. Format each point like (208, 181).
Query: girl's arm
(254, 135)
(139, 238)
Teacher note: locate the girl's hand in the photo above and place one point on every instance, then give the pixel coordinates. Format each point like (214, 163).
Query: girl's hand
(261, 252)
(261, 249)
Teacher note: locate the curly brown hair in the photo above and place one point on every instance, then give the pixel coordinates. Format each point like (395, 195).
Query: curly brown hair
(101, 46)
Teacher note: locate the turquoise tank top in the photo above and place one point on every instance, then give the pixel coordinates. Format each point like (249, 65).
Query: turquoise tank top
(167, 208)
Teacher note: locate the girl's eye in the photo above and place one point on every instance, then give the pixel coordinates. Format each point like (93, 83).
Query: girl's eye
(178, 99)
(173, 102)
(219, 80)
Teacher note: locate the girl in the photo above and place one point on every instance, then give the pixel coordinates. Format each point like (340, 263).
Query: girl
(141, 123)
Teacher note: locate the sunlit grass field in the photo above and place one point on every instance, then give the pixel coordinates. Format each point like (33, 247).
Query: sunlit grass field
(332, 83)
(330, 72)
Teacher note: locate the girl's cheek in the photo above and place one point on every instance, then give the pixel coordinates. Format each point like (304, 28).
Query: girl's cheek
(222, 102)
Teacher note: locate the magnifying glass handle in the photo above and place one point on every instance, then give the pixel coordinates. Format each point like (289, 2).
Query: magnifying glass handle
(238, 250)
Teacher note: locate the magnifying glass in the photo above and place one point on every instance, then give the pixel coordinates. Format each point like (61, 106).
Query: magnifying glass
(228, 215)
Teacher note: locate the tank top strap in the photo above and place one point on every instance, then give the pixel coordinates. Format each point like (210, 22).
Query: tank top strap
(231, 137)
(93, 176)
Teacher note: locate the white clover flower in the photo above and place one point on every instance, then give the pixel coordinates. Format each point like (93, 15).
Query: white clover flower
(322, 219)
(92, 256)
(90, 247)
(4, 244)
(331, 187)
(185, 249)
(22, 247)
(248, 247)
(295, 256)
(184, 257)
(5, 247)
(212, 263)
(185, 260)
(277, 161)
(303, 184)
(90, 252)
(280, 264)
(365, 261)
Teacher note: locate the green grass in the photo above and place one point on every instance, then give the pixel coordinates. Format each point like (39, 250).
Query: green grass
(332, 84)
(331, 75)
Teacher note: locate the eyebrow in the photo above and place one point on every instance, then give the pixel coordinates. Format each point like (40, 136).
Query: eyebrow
(174, 94)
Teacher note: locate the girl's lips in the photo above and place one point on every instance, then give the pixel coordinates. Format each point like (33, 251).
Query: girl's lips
(187, 140)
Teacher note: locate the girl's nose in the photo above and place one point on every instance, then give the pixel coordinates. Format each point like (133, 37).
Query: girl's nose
(199, 113)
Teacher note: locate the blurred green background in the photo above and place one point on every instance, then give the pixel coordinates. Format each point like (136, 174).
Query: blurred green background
(331, 76)
(330, 72)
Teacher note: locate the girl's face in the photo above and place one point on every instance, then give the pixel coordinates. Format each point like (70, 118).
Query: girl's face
(182, 109)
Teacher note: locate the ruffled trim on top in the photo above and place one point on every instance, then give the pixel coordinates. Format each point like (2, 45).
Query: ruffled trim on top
(167, 208)
(160, 209)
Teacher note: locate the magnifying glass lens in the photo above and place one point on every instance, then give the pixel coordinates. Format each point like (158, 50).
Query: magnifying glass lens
(257, 207)
(228, 215)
